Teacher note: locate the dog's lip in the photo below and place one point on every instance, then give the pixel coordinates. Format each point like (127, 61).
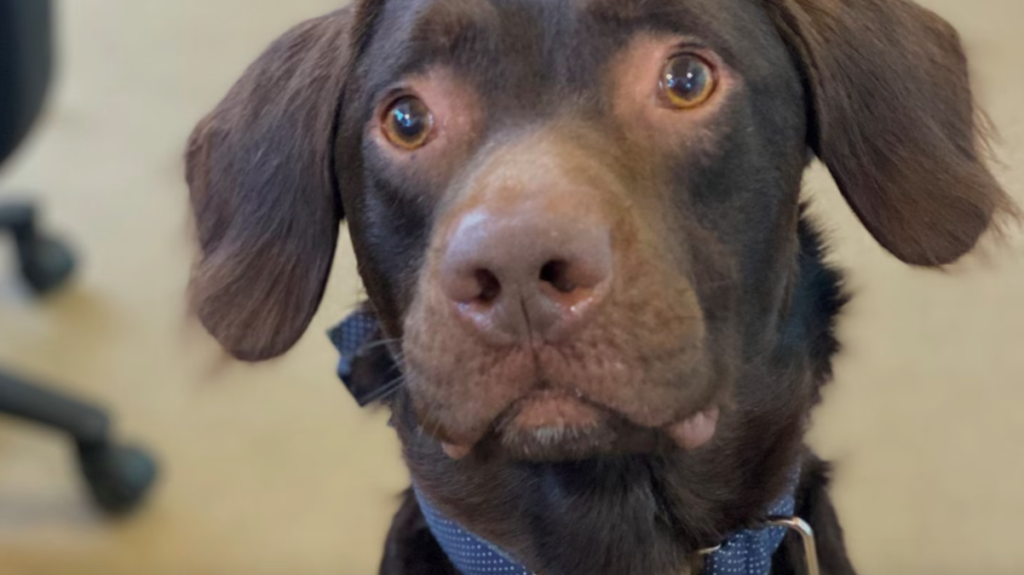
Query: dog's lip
(456, 451)
(695, 431)
(541, 411)
(550, 409)
(556, 412)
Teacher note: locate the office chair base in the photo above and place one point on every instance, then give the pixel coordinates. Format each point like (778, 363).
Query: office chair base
(46, 263)
(118, 477)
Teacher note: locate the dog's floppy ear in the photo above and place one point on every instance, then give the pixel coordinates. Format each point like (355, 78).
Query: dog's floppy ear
(894, 121)
(264, 192)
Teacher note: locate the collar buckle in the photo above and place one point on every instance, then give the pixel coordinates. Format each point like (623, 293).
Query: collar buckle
(806, 533)
(795, 524)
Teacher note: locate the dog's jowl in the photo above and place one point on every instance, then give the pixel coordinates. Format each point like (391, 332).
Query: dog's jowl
(579, 227)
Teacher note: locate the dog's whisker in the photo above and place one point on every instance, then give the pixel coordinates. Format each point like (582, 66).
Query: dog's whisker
(396, 382)
(381, 343)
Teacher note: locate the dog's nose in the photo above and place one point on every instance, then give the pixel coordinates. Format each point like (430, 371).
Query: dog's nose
(527, 273)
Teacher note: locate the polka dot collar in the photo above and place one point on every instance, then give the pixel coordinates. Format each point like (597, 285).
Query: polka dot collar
(747, 552)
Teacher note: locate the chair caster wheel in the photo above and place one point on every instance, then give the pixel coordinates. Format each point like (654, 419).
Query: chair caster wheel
(46, 264)
(119, 478)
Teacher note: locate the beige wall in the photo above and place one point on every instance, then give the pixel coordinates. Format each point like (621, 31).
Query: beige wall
(273, 471)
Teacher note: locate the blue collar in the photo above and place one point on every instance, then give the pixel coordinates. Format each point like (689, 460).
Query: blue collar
(747, 552)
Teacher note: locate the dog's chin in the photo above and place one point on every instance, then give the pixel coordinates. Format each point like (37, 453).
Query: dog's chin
(560, 442)
(551, 426)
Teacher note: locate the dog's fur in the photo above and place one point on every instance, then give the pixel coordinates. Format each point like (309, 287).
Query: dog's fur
(711, 245)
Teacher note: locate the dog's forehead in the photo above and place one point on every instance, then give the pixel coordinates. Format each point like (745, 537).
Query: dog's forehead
(539, 34)
(450, 15)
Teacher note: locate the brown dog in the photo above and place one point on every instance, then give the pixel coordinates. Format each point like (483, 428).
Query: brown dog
(578, 223)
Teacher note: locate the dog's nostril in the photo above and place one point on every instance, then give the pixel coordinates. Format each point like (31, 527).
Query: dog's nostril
(528, 271)
(490, 287)
(556, 273)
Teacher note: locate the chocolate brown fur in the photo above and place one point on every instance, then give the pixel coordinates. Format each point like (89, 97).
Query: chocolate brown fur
(707, 226)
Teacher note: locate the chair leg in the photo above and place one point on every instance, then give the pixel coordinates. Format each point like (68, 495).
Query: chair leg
(46, 263)
(118, 477)
(18, 217)
(83, 422)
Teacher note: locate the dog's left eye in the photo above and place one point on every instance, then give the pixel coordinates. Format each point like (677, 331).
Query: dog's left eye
(687, 81)
(407, 123)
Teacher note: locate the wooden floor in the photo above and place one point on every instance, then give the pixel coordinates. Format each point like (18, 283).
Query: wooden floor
(272, 471)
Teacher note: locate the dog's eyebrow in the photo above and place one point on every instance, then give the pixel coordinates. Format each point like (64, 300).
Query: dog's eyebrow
(443, 26)
(629, 11)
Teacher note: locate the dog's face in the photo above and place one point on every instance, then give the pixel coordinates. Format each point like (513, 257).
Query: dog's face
(576, 218)
(570, 211)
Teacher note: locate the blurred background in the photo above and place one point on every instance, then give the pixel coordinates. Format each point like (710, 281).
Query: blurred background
(272, 470)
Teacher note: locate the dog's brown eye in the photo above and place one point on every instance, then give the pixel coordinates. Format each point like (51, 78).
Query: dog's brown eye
(407, 123)
(687, 81)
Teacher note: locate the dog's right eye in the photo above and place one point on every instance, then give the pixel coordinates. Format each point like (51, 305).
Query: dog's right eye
(687, 81)
(407, 123)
